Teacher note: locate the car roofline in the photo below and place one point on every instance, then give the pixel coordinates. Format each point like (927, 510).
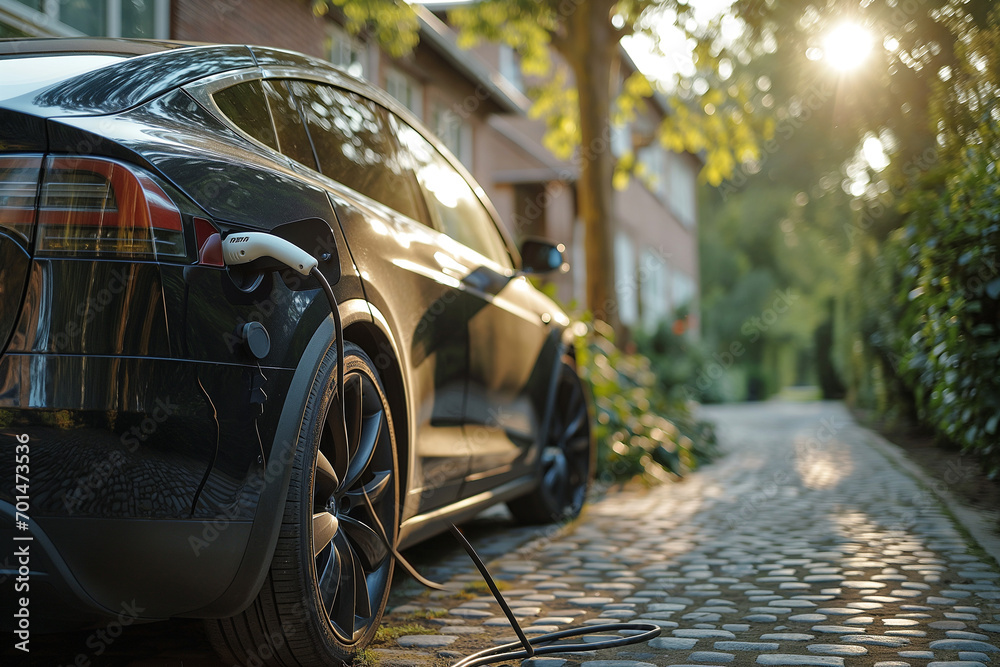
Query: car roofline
(97, 45)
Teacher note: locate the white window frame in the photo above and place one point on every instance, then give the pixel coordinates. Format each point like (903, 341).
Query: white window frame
(510, 66)
(46, 23)
(653, 288)
(683, 190)
(579, 262)
(626, 279)
(450, 128)
(683, 291)
(621, 139)
(357, 51)
(654, 158)
(397, 81)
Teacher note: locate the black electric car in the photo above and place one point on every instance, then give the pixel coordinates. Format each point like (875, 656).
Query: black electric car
(171, 439)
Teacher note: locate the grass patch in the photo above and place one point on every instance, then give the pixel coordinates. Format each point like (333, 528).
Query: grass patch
(482, 588)
(365, 658)
(388, 633)
(424, 614)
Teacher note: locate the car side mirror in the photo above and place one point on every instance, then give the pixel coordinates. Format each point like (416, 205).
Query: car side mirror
(541, 256)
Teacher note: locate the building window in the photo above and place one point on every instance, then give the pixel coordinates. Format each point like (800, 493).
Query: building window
(405, 89)
(578, 260)
(654, 289)
(621, 139)
(510, 66)
(530, 210)
(683, 291)
(348, 52)
(626, 284)
(98, 18)
(683, 189)
(454, 133)
(654, 161)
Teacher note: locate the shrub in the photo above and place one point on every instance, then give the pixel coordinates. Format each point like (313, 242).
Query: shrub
(678, 362)
(947, 341)
(640, 430)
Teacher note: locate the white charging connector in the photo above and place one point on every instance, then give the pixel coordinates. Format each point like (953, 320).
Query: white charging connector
(245, 247)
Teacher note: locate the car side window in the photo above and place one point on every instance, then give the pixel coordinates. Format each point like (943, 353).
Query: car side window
(353, 145)
(455, 208)
(245, 106)
(293, 141)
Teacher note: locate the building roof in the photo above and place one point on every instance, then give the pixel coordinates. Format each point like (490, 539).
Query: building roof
(435, 33)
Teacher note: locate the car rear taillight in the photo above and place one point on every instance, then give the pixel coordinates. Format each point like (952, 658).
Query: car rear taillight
(98, 207)
(209, 242)
(18, 193)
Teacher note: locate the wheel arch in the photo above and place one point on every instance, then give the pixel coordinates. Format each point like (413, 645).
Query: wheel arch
(358, 322)
(379, 346)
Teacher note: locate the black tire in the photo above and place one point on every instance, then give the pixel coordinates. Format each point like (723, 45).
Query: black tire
(313, 608)
(567, 463)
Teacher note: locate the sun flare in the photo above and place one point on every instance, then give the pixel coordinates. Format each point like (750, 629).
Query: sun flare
(847, 46)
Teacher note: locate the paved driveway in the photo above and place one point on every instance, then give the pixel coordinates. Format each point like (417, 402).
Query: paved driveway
(804, 546)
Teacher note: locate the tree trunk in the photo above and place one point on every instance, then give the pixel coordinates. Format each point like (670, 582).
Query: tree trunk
(592, 56)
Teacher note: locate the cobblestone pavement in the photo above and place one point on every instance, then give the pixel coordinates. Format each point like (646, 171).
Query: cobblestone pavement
(803, 546)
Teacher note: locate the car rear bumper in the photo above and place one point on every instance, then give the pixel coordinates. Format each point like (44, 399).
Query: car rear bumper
(141, 480)
(80, 572)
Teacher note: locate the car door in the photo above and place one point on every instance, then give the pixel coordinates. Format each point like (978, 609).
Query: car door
(506, 330)
(407, 277)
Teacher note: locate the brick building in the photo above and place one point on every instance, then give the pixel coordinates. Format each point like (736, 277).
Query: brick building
(475, 102)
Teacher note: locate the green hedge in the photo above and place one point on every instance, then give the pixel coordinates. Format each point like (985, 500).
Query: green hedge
(946, 340)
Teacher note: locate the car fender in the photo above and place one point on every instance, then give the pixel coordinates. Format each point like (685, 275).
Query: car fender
(256, 559)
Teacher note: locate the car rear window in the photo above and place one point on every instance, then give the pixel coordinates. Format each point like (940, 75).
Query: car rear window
(246, 107)
(354, 146)
(292, 138)
(20, 75)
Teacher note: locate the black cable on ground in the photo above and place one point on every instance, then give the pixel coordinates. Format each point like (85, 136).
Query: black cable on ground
(524, 648)
(543, 642)
(528, 650)
(541, 645)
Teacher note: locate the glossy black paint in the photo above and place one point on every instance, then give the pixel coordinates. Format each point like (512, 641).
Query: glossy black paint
(21, 133)
(156, 431)
(133, 81)
(14, 264)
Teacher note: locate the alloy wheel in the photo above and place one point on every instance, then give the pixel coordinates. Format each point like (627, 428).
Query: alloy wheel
(566, 460)
(354, 505)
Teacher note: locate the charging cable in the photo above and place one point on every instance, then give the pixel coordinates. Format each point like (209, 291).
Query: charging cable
(245, 247)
